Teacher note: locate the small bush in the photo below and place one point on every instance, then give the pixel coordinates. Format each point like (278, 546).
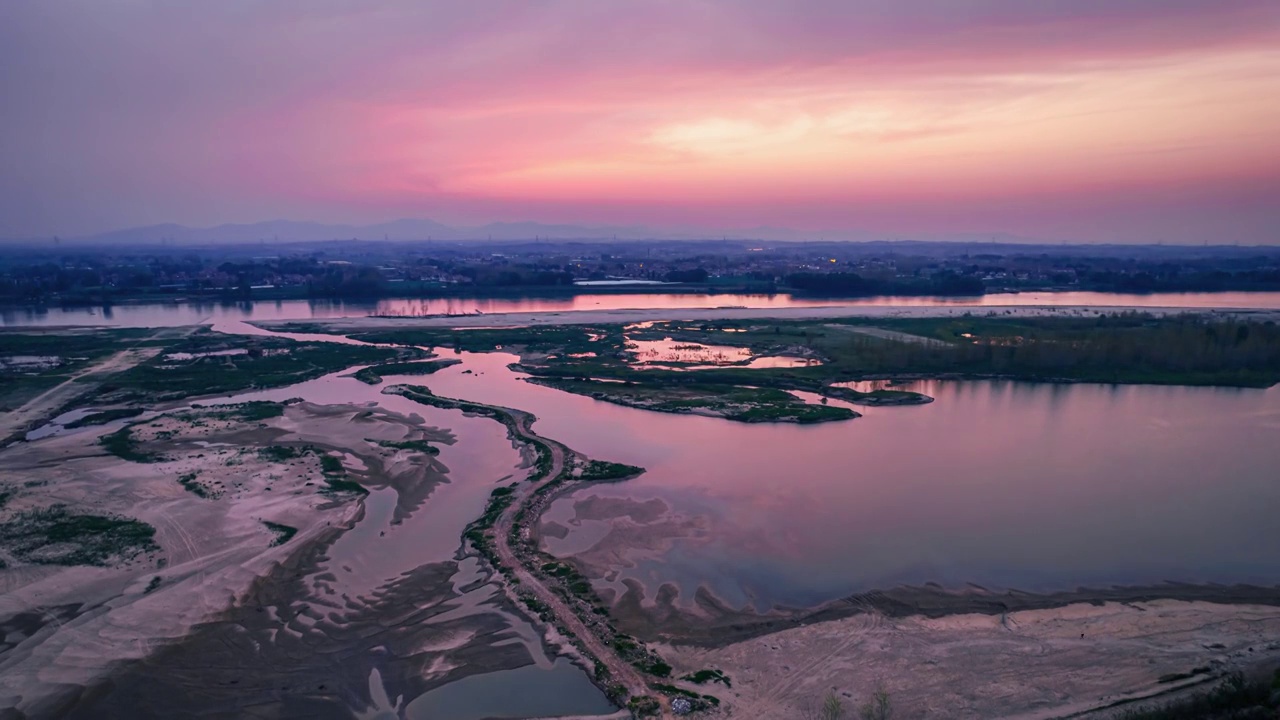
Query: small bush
(123, 445)
(56, 536)
(104, 417)
(284, 533)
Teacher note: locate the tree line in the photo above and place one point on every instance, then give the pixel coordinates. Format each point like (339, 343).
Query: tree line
(1127, 347)
(847, 284)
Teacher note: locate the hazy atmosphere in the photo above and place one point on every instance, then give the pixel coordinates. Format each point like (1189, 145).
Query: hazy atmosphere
(640, 360)
(1089, 121)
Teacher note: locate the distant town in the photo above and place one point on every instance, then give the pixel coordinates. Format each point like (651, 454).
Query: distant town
(357, 269)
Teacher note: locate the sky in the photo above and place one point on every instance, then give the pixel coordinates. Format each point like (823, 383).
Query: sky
(1062, 120)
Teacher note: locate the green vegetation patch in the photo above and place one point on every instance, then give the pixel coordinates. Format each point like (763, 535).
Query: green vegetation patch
(655, 667)
(335, 476)
(1125, 347)
(191, 484)
(644, 705)
(703, 677)
(601, 470)
(105, 416)
(76, 343)
(1235, 698)
(342, 485)
(737, 403)
(696, 700)
(335, 473)
(373, 375)
(267, 362)
(331, 465)
(281, 453)
(284, 533)
(421, 446)
(252, 411)
(500, 499)
(73, 350)
(56, 536)
(565, 339)
(124, 445)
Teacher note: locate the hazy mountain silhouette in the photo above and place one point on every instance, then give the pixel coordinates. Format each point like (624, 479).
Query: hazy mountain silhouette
(425, 229)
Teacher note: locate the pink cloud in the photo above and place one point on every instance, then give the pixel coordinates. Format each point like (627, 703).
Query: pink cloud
(818, 114)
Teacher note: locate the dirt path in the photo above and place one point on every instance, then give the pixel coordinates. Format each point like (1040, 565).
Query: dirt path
(40, 407)
(621, 671)
(891, 335)
(15, 422)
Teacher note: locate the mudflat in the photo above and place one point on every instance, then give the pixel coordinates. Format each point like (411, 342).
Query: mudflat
(1076, 660)
(227, 609)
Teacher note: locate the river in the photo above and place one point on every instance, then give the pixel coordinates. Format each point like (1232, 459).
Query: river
(1003, 484)
(380, 549)
(183, 313)
(1038, 487)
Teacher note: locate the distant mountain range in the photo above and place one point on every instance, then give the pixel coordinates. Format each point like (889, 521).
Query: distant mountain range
(417, 230)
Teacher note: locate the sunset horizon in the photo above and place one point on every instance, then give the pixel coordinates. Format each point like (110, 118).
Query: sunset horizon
(1145, 122)
(639, 359)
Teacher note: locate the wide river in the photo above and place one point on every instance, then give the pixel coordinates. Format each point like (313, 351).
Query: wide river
(1038, 487)
(1004, 484)
(174, 314)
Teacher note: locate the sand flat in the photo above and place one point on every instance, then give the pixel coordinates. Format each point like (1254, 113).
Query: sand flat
(1030, 665)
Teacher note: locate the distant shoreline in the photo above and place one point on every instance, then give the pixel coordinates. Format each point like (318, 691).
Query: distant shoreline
(407, 291)
(721, 625)
(419, 292)
(596, 317)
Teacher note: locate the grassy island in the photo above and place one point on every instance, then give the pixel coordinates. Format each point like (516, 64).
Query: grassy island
(373, 374)
(57, 535)
(737, 403)
(1127, 347)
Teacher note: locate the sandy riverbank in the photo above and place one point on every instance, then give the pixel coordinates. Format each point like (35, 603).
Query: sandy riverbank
(1027, 665)
(940, 652)
(220, 573)
(636, 532)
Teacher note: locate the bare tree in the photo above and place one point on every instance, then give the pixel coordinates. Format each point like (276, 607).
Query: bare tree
(878, 707)
(830, 709)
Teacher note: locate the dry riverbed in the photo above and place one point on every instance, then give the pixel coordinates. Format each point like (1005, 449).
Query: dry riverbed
(1028, 665)
(220, 609)
(939, 653)
(230, 609)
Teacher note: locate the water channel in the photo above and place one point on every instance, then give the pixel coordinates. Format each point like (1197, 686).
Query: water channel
(1037, 487)
(192, 313)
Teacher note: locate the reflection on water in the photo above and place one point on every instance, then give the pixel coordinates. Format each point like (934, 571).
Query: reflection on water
(530, 691)
(677, 351)
(377, 551)
(1004, 484)
(998, 483)
(172, 314)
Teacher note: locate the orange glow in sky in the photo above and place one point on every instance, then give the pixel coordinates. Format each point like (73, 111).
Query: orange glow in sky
(1087, 121)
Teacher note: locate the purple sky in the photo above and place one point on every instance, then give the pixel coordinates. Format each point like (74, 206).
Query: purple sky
(1089, 120)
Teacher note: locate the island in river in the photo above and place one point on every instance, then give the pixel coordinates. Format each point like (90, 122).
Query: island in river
(368, 562)
(740, 404)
